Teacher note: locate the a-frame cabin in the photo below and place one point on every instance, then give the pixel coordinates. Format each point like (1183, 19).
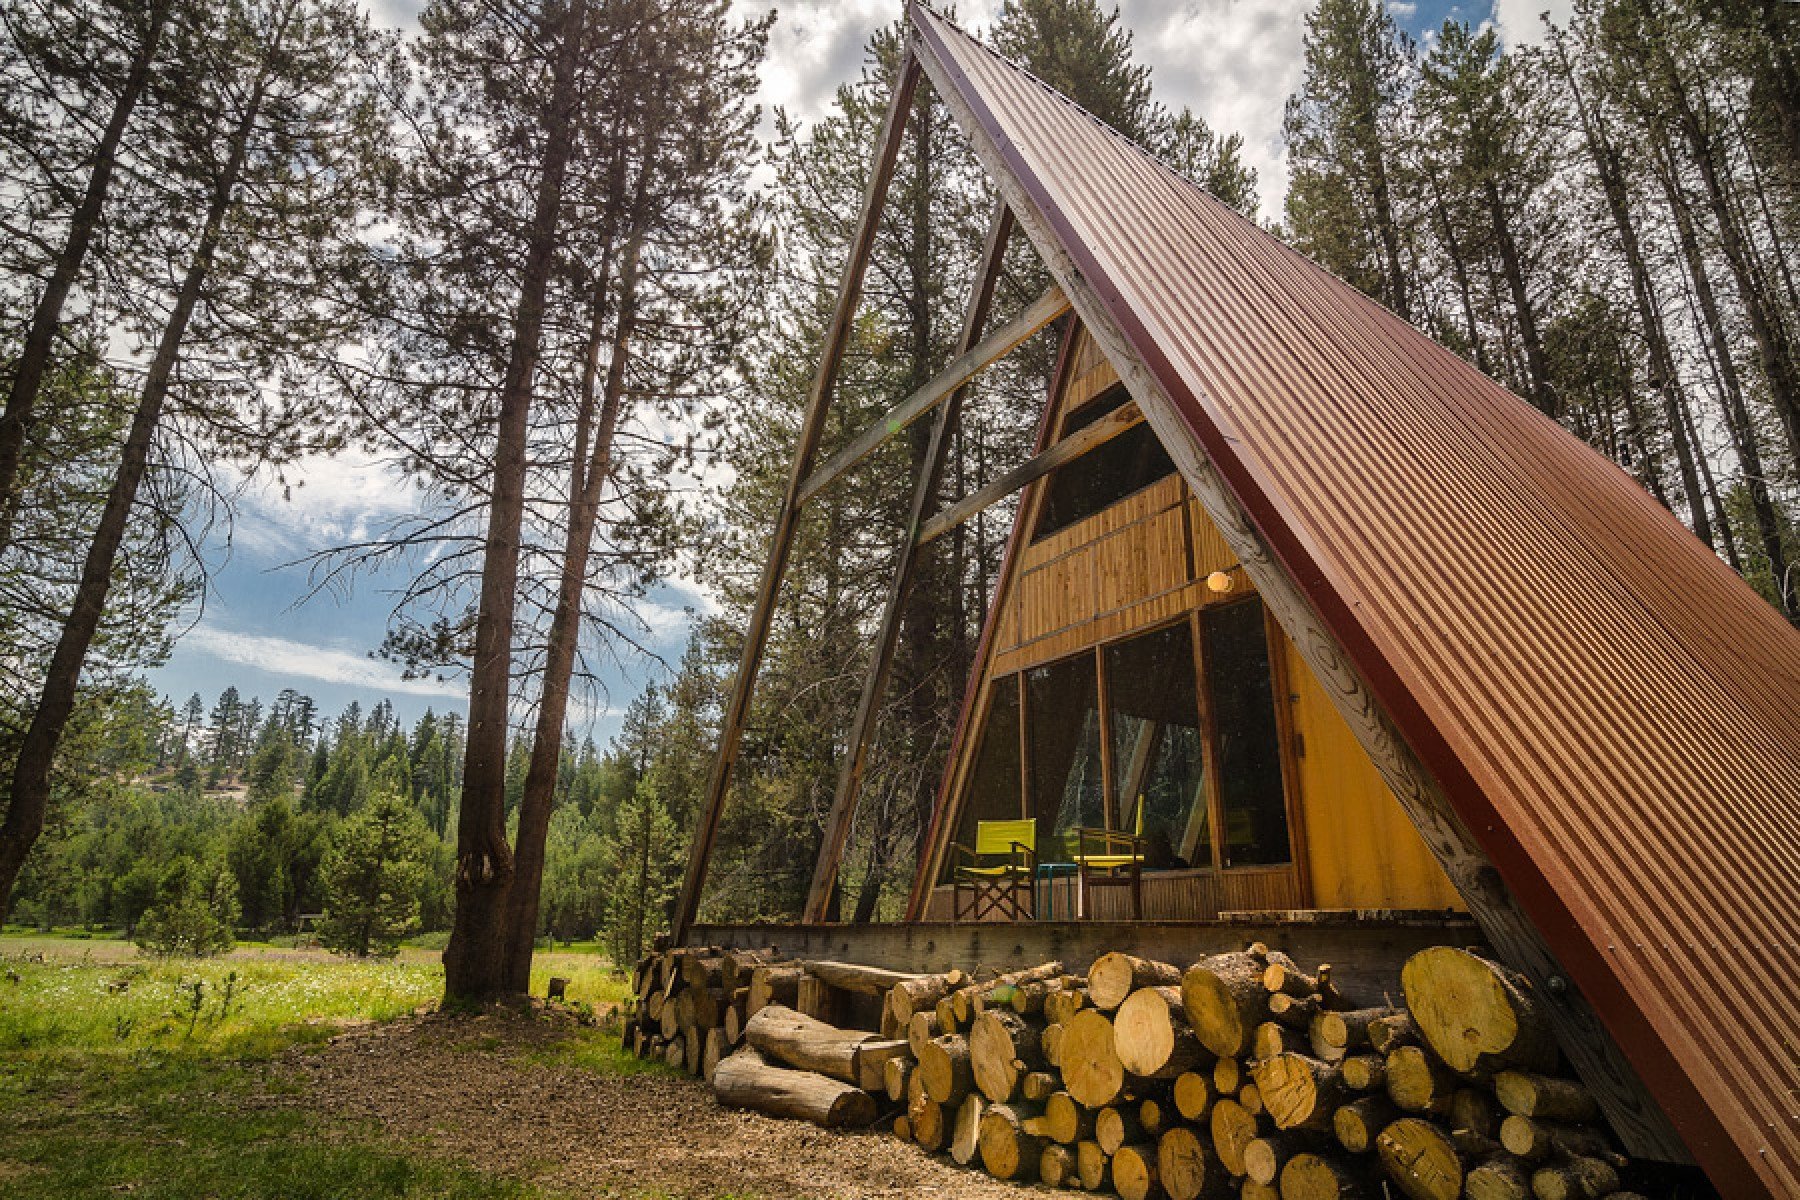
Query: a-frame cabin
(1131, 678)
(1453, 659)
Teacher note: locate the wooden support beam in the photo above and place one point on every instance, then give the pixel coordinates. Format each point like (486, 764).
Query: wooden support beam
(1641, 1125)
(818, 405)
(1061, 453)
(843, 803)
(963, 368)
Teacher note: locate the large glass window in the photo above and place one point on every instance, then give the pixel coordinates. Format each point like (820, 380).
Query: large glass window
(994, 790)
(1063, 724)
(1158, 750)
(1252, 804)
(1106, 474)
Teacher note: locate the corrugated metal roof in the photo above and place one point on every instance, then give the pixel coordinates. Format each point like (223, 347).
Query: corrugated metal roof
(1612, 712)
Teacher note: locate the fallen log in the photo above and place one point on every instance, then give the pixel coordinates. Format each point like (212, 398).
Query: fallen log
(1534, 1140)
(1151, 1034)
(1476, 1015)
(1115, 976)
(920, 1028)
(1392, 1032)
(1272, 1038)
(1225, 1001)
(773, 985)
(1499, 1178)
(1056, 1166)
(920, 993)
(896, 1073)
(1421, 1159)
(1114, 1127)
(1093, 1166)
(869, 1060)
(1007, 1151)
(1091, 1070)
(944, 1069)
(1575, 1179)
(1542, 1096)
(1066, 1121)
(1265, 1156)
(748, 1080)
(1002, 1047)
(854, 977)
(1193, 1095)
(965, 1137)
(1134, 1171)
(1336, 1034)
(1233, 1129)
(811, 1045)
(1356, 1124)
(1299, 1092)
(1365, 1072)
(714, 1053)
(1187, 1167)
(928, 1124)
(1417, 1082)
(1310, 1176)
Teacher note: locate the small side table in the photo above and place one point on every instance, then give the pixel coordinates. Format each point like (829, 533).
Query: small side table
(1047, 874)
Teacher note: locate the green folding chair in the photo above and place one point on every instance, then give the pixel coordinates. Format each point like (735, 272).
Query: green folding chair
(999, 876)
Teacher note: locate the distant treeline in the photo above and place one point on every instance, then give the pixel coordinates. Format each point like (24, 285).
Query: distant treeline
(245, 804)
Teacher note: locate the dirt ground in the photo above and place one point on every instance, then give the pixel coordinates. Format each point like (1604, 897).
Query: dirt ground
(468, 1086)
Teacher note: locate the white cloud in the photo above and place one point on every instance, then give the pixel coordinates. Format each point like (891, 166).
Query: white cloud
(1234, 62)
(1403, 10)
(329, 501)
(283, 656)
(1521, 22)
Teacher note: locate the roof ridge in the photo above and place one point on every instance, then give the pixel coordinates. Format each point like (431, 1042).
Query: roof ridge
(1062, 98)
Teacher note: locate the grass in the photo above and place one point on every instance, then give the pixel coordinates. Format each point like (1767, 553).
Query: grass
(121, 1075)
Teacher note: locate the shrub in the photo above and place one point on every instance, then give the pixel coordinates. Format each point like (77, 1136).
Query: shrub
(195, 910)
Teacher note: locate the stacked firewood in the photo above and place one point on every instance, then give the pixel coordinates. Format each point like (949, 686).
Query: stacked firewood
(1242, 1075)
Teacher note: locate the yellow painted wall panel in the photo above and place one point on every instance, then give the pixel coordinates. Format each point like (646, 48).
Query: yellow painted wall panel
(1362, 850)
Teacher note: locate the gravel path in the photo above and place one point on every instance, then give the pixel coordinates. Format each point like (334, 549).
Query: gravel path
(465, 1087)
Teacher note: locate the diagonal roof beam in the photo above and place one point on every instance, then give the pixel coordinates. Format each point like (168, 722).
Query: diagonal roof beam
(997, 345)
(1080, 442)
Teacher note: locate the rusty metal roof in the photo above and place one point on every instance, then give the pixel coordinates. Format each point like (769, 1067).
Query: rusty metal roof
(1612, 712)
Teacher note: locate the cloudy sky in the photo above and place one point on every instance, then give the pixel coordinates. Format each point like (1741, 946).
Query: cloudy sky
(1233, 61)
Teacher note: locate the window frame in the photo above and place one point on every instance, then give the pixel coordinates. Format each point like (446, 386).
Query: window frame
(1212, 792)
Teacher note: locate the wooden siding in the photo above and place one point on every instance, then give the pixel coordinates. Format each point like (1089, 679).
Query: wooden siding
(1140, 563)
(1362, 850)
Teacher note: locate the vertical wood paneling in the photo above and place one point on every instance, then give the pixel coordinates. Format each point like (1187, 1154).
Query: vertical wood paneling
(1362, 851)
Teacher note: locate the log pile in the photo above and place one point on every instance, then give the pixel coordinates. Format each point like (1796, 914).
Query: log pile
(1243, 1075)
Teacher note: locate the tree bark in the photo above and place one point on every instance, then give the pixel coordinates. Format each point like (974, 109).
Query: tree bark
(46, 318)
(475, 959)
(747, 1080)
(1608, 169)
(589, 478)
(30, 792)
(1737, 413)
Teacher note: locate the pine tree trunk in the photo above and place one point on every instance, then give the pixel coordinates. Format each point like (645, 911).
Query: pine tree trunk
(589, 477)
(1765, 325)
(475, 958)
(46, 317)
(1607, 168)
(1737, 413)
(30, 791)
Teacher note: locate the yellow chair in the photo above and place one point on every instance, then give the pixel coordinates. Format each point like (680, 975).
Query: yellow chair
(1112, 858)
(1007, 887)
